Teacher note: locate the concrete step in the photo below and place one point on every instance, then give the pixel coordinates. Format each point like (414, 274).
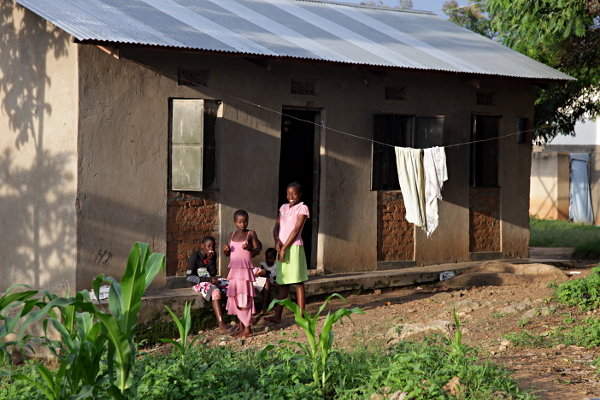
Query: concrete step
(327, 284)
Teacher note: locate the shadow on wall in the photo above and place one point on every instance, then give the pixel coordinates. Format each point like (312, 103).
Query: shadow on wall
(34, 216)
(29, 241)
(107, 230)
(542, 201)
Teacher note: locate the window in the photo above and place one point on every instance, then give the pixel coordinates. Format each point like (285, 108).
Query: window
(402, 131)
(523, 129)
(484, 155)
(192, 150)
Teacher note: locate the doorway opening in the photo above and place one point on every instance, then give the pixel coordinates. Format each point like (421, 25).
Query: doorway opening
(484, 191)
(299, 162)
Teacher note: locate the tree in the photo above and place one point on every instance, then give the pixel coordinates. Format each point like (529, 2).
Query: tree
(405, 4)
(564, 35)
(471, 16)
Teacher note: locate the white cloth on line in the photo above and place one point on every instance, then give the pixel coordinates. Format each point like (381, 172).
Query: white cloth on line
(436, 173)
(410, 174)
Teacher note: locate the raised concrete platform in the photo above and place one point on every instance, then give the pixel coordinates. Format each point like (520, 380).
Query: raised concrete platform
(153, 313)
(396, 278)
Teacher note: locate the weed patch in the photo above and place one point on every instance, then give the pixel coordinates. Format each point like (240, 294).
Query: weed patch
(586, 334)
(584, 293)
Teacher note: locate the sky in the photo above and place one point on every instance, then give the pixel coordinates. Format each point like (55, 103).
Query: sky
(427, 5)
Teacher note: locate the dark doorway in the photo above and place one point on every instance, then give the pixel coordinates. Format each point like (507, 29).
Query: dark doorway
(299, 162)
(484, 193)
(484, 153)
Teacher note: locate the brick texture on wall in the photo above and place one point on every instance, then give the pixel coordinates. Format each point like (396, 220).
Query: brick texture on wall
(189, 219)
(484, 219)
(395, 239)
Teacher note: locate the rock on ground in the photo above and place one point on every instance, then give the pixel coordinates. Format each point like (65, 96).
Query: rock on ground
(468, 305)
(403, 331)
(497, 273)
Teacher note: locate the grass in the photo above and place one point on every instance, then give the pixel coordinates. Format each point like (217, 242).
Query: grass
(585, 239)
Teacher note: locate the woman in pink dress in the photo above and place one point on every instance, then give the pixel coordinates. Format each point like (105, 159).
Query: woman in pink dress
(243, 245)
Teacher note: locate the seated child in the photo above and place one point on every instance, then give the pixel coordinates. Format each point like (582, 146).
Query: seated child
(202, 273)
(269, 270)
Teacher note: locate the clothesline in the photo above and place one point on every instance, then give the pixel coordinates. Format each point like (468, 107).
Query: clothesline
(322, 125)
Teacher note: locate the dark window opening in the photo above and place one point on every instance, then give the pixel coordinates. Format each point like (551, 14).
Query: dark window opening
(484, 154)
(523, 129)
(401, 131)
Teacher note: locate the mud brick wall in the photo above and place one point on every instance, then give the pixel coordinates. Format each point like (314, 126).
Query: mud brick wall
(189, 219)
(484, 219)
(395, 235)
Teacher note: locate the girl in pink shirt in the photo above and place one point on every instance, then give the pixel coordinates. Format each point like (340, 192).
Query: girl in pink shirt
(291, 261)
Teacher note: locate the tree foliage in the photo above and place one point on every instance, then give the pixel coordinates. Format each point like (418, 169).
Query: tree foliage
(564, 35)
(472, 16)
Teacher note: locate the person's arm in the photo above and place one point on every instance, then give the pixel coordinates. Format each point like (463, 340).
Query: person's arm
(192, 264)
(253, 245)
(292, 238)
(276, 234)
(226, 250)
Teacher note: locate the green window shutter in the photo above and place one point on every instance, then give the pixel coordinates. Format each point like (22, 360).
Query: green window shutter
(187, 145)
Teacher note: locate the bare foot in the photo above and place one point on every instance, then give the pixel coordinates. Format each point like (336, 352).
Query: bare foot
(229, 329)
(243, 334)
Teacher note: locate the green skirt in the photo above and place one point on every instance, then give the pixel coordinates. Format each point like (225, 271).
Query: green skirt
(293, 269)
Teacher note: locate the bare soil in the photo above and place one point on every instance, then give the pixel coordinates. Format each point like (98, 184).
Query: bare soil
(565, 373)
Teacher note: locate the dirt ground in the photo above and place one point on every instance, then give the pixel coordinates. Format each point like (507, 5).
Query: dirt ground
(556, 373)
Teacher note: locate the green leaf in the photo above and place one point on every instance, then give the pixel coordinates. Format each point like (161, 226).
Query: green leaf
(175, 343)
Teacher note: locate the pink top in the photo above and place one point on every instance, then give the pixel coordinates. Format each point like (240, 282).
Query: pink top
(240, 253)
(236, 248)
(287, 221)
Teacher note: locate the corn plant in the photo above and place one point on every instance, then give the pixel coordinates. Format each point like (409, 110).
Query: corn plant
(124, 302)
(80, 351)
(23, 300)
(87, 333)
(184, 345)
(319, 345)
(457, 349)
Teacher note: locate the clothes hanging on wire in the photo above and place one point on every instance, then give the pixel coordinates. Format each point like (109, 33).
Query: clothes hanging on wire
(436, 173)
(409, 163)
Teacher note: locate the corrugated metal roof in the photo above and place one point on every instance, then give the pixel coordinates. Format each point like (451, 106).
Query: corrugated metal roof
(315, 30)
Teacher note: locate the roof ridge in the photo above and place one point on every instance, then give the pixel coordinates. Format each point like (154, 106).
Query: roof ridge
(396, 9)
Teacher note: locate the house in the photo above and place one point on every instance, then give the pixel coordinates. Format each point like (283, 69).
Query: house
(147, 120)
(565, 176)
